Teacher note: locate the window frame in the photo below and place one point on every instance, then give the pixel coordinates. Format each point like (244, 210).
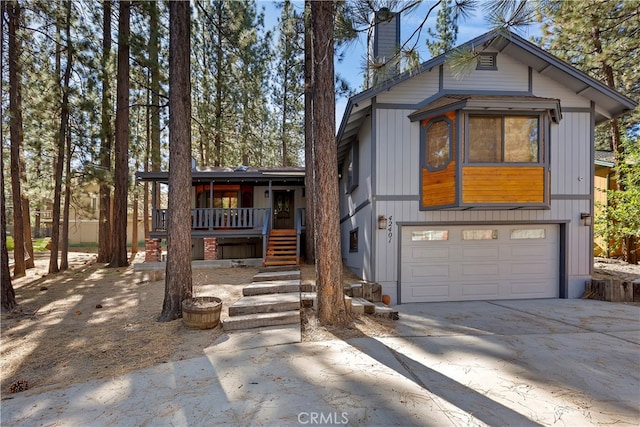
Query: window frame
(425, 143)
(542, 136)
(353, 167)
(353, 242)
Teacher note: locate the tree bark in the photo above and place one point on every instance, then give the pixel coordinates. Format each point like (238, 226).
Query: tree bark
(106, 142)
(28, 241)
(310, 251)
(60, 143)
(121, 165)
(7, 293)
(178, 277)
(66, 211)
(15, 134)
(331, 306)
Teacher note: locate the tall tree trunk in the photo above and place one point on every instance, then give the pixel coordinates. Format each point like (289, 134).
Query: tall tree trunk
(154, 64)
(60, 146)
(218, 102)
(331, 306)
(134, 222)
(628, 242)
(178, 277)
(15, 133)
(7, 293)
(66, 212)
(310, 246)
(121, 166)
(28, 241)
(106, 141)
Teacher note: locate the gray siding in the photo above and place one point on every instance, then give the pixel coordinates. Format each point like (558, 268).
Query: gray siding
(510, 76)
(547, 88)
(571, 155)
(412, 91)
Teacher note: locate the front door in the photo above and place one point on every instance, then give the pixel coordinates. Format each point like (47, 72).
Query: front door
(283, 207)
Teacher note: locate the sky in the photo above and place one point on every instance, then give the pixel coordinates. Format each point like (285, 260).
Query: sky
(354, 54)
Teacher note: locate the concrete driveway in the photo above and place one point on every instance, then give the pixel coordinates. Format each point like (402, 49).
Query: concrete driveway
(535, 362)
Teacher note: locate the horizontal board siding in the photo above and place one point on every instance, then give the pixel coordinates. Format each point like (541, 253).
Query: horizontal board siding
(545, 87)
(439, 187)
(482, 184)
(413, 90)
(511, 75)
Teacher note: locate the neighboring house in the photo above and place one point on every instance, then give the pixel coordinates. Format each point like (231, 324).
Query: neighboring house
(603, 180)
(246, 213)
(83, 217)
(477, 188)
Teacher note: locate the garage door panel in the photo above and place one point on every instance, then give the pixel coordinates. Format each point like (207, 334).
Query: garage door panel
(431, 291)
(473, 291)
(513, 261)
(420, 253)
(426, 273)
(533, 289)
(529, 251)
(473, 270)
(489, 252)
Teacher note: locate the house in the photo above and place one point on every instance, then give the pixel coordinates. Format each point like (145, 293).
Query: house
(254, 214)
(83, 217)
(604, 179)
(473, 188)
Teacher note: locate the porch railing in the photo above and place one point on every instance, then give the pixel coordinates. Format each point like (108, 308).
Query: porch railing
(217, 218)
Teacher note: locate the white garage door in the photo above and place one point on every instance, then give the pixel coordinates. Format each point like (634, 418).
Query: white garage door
(479, 262)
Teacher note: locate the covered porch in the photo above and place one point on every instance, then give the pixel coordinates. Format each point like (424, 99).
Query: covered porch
(234, 213)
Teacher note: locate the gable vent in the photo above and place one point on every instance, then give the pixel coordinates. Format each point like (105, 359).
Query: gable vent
(487, 61)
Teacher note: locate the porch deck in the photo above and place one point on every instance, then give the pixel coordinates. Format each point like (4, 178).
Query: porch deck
(218, 222)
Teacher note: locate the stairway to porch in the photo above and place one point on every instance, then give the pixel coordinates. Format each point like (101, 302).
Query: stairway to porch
(282, 248)
(270, 303)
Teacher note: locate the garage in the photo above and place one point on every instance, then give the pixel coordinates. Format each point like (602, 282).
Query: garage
(479, 262)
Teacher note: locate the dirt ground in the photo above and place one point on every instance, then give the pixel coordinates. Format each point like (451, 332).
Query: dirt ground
(94, 322)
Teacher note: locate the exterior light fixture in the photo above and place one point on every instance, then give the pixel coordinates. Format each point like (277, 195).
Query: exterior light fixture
(382, 222)
(587, 219)
(266, 194)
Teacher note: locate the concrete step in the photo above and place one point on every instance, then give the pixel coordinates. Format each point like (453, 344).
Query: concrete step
(265, 304)
(362, 306)
(271, 287)
(250, 321)
(308, 299)
(266, 276)
(277, 269)
(307, 287)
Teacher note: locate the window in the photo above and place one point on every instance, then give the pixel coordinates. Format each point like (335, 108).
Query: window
(225, 199)
(479, 234)
(352, 169)
(509, 139)
(533, 233)
(428, 235)
(438, 144)
(353, 240)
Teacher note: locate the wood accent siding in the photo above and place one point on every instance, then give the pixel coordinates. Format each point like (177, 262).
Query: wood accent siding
(502, 185)
(439, 187)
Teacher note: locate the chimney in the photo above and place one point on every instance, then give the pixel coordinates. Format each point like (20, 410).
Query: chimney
(384, 42)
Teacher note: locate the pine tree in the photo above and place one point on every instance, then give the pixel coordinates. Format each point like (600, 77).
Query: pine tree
(289, 88)
(601, 38)
(178, 277)
(121, 158)
(446, 31)
(331, 306)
